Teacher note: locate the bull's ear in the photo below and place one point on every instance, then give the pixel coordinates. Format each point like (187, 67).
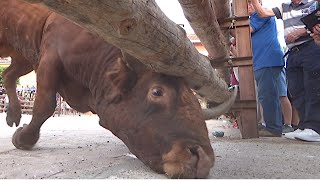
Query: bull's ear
(122, 77)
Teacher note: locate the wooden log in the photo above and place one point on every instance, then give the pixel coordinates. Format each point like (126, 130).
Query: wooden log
(202, 16)
(141, 29)
(222, 11)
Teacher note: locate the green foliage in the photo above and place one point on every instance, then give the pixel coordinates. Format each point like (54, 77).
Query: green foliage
(1, 71)
(2, 68)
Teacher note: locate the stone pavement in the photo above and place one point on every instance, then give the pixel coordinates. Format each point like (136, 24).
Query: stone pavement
(77, 147)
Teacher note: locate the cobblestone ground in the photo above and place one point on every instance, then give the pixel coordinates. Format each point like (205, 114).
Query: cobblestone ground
(77, 147)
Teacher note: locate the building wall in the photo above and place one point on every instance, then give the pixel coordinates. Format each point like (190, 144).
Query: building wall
(200, 48)
(28, 79)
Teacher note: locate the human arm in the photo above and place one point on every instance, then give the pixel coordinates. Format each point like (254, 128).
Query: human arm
(295, 34)
(261, 11)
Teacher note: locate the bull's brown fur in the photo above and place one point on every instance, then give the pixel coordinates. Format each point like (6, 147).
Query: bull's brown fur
(155, 115)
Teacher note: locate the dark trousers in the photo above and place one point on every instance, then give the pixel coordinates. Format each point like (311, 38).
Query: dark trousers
(303, 74)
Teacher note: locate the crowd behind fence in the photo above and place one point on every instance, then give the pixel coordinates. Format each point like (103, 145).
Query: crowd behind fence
(26, 97)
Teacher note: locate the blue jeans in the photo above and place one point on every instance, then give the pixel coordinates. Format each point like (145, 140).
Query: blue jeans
(303, 74)
(269, 84)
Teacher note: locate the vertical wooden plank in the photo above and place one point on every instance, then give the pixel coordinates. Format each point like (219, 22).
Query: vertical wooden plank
(248, 117)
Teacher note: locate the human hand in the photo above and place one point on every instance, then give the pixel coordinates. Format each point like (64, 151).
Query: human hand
(295, 34)
(316, 29)
(233, 50)
(316, 38)
(291, 37)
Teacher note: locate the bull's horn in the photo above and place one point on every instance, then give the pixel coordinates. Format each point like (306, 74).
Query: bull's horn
(222, 108)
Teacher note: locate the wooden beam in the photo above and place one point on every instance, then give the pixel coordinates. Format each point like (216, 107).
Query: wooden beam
(248, 117)
(233, 22)
(233, 62)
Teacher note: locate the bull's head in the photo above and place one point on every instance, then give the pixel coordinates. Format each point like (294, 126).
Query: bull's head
(159, 118)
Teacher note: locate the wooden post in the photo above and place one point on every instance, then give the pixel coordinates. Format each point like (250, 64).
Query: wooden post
(248, 116)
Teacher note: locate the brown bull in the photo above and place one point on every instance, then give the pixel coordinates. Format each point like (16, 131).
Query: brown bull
(157, 116)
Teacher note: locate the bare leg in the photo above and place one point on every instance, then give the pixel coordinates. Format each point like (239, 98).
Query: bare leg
(295, 116)
(18, 67)
(286, 109)
(260, 111)
(48, 75)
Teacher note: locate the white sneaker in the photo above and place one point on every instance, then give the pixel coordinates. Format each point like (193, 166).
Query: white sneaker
(292, 135)
(308, 135)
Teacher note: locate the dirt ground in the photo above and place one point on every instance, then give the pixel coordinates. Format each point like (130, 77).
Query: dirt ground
(77, 147)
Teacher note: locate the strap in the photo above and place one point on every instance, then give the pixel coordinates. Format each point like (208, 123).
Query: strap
(277, 12)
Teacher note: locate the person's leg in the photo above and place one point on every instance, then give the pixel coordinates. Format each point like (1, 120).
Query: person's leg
(261, 113)
(285, 103)
(287, 114)
(260, 119)
(295, 118)
(309, 83)
(311, 66)
(295, 115)
(268, 94)
(296, 90)
(286, 109)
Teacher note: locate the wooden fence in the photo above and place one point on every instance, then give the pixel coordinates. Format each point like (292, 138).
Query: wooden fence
(26, 106)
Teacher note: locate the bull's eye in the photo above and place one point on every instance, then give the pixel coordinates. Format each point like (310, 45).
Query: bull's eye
(157, 92)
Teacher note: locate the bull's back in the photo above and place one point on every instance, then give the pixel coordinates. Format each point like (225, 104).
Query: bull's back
(22, 26)
(84, 56)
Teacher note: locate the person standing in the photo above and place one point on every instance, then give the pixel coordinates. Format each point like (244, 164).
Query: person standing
(290, 120)
(303, 65)
(268, 65)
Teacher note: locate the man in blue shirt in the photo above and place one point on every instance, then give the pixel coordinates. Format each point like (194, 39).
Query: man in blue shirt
(268, 65)
(303, 65)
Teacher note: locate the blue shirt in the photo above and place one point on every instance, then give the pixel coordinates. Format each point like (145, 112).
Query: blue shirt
(266, 48)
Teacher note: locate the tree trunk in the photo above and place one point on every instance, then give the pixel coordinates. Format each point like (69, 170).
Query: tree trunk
(141, 29)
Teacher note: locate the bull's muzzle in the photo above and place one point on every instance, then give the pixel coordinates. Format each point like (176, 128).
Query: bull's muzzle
(187, 162)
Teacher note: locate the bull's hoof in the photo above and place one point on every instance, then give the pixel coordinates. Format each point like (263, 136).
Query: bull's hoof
(23, 140)
(13, 117)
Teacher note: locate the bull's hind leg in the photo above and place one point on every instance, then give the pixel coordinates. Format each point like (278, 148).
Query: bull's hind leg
(18, 67)
(48, 75)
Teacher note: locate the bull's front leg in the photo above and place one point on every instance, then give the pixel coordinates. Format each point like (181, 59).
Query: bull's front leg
(48, 75)
(19, 66)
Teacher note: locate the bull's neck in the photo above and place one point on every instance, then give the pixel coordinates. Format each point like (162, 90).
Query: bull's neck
(21, 27)
(99, 83)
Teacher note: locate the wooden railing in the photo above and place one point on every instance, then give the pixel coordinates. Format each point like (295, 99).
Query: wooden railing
(26, 106)
(2, 103)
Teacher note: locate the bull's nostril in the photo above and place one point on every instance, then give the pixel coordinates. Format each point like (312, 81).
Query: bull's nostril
(194, 151)
(189, 161)
(204, 163)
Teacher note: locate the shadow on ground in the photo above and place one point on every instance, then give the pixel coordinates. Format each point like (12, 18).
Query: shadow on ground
(77, 147)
